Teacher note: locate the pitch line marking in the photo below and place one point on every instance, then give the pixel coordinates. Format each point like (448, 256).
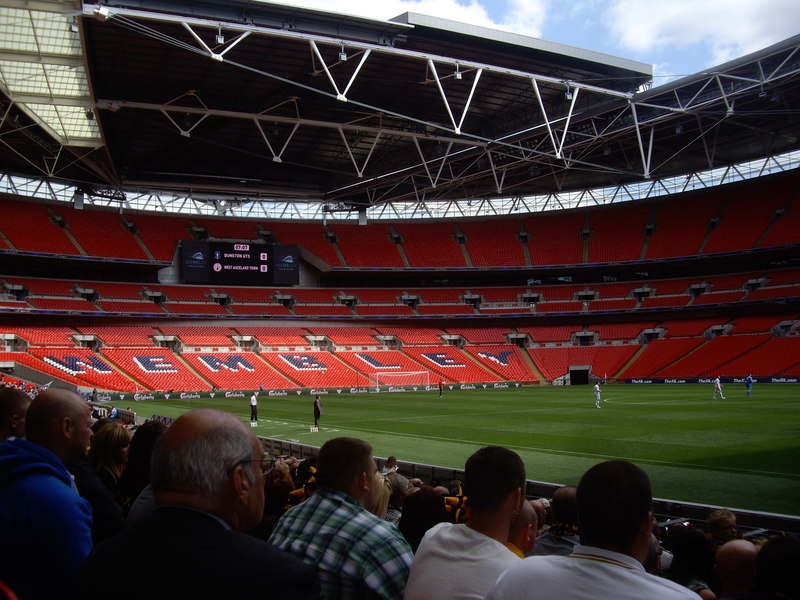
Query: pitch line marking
(589, 454)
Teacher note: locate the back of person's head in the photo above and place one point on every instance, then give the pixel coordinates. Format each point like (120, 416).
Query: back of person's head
(422, 510)
(302, 470)
(490, 475)
(777, 568)
(613, 498)
(399, 487)
(693, 555)
(379, 502)
(108, 449)
(198, 452)
(523, 527)
(13, 407)
(735, 566)
(102, 422)
(564, 506)
(137, 474)
(341, 460)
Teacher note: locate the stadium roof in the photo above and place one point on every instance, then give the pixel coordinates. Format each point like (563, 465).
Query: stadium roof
(232, 98)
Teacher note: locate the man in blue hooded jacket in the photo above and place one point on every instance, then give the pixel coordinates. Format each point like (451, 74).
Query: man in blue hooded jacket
(45, 526)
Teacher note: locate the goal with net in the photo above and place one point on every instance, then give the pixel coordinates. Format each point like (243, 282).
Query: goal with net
(402, 379)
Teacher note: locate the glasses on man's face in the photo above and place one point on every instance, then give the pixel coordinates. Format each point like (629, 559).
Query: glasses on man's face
(265, 461)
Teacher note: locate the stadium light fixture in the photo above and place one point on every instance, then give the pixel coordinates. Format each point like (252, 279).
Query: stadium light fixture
(342, 53)
(102, 12)
(457, 74)
(220, 38)
(568, 93)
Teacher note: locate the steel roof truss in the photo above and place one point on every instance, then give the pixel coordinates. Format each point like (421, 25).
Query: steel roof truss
(360, 170)
(340, 95)
(216, 55)
(478, 72)
(276, 157)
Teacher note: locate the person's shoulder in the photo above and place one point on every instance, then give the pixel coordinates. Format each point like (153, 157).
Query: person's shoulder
(45, 489)
(373, 531)
(669, 590)
(435, 534)
(533, 568)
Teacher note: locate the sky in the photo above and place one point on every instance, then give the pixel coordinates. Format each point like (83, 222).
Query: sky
(676, 37)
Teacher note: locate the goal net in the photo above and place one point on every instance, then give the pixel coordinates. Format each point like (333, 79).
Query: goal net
(406, 378)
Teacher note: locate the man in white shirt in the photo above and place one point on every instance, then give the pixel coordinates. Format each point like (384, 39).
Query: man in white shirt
(718, 388)
(615, 521)
(254, 408)
(462, 561)
(597, 394)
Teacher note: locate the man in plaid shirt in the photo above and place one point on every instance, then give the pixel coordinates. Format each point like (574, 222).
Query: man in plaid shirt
(358, 555)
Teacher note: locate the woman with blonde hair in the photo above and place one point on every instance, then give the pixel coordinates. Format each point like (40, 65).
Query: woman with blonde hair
(380, 497)
(108, 453)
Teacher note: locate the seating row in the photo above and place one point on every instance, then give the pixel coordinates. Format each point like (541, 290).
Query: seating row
(353, 335)
(723, 219)
(288, 359)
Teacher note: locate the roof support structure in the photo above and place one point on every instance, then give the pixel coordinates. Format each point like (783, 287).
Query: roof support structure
(448, 131)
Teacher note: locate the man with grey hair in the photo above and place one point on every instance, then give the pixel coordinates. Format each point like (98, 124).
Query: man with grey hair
(208, 480)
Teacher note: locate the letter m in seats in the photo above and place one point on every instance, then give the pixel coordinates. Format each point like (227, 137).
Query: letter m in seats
(232, 363)
(75, 365)
(155, 364)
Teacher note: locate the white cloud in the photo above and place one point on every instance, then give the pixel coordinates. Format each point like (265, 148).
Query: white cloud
(526, 17)
(719, 29)
(471, 12)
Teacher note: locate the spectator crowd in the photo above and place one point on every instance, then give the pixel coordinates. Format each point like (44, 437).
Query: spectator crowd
(94, 509)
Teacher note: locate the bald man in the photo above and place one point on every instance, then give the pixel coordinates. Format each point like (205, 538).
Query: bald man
(208, 480)
(735, 566)
(562, 537)
(523, 529)
(45, 526)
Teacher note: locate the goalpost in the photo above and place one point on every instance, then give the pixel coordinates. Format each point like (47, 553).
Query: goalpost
(405, 378)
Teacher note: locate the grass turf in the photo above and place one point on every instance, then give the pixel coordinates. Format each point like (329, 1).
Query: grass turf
(739, 452)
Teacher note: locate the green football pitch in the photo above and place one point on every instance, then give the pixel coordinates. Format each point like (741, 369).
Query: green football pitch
(739, 452)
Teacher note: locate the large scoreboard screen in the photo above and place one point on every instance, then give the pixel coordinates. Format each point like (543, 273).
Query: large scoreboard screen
(239, 263)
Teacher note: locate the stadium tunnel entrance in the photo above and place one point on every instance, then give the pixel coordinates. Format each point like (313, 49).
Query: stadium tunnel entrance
(579, 374)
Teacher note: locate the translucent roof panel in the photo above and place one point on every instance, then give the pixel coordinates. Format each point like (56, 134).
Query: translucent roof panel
(42, 79)
(39, 32)
(67, 122)
(48, 80)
